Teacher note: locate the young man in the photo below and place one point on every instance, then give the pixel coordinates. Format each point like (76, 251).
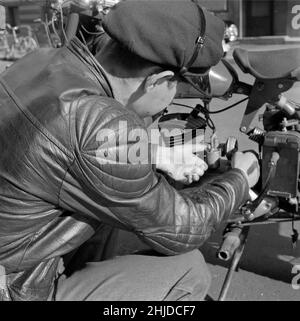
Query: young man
(61, 183)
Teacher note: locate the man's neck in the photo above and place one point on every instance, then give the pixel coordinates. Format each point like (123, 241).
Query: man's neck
(123, 88)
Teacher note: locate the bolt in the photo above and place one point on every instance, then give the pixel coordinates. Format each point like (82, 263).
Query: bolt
(280, 86)
(243, 129)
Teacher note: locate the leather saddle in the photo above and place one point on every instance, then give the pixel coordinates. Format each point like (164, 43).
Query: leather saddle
(270, 64)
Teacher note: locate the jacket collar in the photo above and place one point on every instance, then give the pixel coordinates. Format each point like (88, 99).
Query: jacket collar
(83, 53)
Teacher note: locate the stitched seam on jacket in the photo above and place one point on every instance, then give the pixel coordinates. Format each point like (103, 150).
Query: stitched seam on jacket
(174, 241)
(32, 238)
(33, 120)
(62, 181)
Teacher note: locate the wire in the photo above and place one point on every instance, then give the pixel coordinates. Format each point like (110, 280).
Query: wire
(83, 39)
(228, 107)
(53, 27)
(62, 24)
(217, 111)
(92, 33)
(205, 111)
(47, 30)
(183, 105)
(211, 124)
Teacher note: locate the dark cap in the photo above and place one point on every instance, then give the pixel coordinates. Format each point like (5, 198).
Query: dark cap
(179, 34)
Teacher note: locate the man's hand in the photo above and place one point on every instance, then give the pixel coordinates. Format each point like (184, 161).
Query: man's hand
(180, 162)
(248, 163)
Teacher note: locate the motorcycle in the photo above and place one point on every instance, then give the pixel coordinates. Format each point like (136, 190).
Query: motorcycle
(276, 197)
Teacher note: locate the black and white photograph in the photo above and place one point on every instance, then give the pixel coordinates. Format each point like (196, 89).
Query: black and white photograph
(149, 154)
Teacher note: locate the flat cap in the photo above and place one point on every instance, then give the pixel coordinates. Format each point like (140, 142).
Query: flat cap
(179, 34)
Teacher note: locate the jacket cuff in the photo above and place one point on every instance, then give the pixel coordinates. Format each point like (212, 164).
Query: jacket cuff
(245, 178)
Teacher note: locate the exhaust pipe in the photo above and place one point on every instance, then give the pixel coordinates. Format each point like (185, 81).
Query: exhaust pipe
(231, 241)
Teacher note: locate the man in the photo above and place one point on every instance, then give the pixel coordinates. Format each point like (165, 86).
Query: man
(62, 184)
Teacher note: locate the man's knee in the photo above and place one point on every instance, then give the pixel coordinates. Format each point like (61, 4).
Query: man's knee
(200, 274)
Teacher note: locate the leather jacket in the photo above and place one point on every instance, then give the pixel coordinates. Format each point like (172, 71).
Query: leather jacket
(54, 193)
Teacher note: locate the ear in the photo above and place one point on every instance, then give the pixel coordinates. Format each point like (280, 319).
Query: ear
(156, 79)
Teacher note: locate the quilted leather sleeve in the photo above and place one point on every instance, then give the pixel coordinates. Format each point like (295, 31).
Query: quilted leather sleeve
(132, 196)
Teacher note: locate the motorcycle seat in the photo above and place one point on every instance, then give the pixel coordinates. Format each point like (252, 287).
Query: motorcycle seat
(269, 64)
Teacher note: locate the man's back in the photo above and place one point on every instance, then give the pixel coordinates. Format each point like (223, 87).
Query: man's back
(37, 95)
